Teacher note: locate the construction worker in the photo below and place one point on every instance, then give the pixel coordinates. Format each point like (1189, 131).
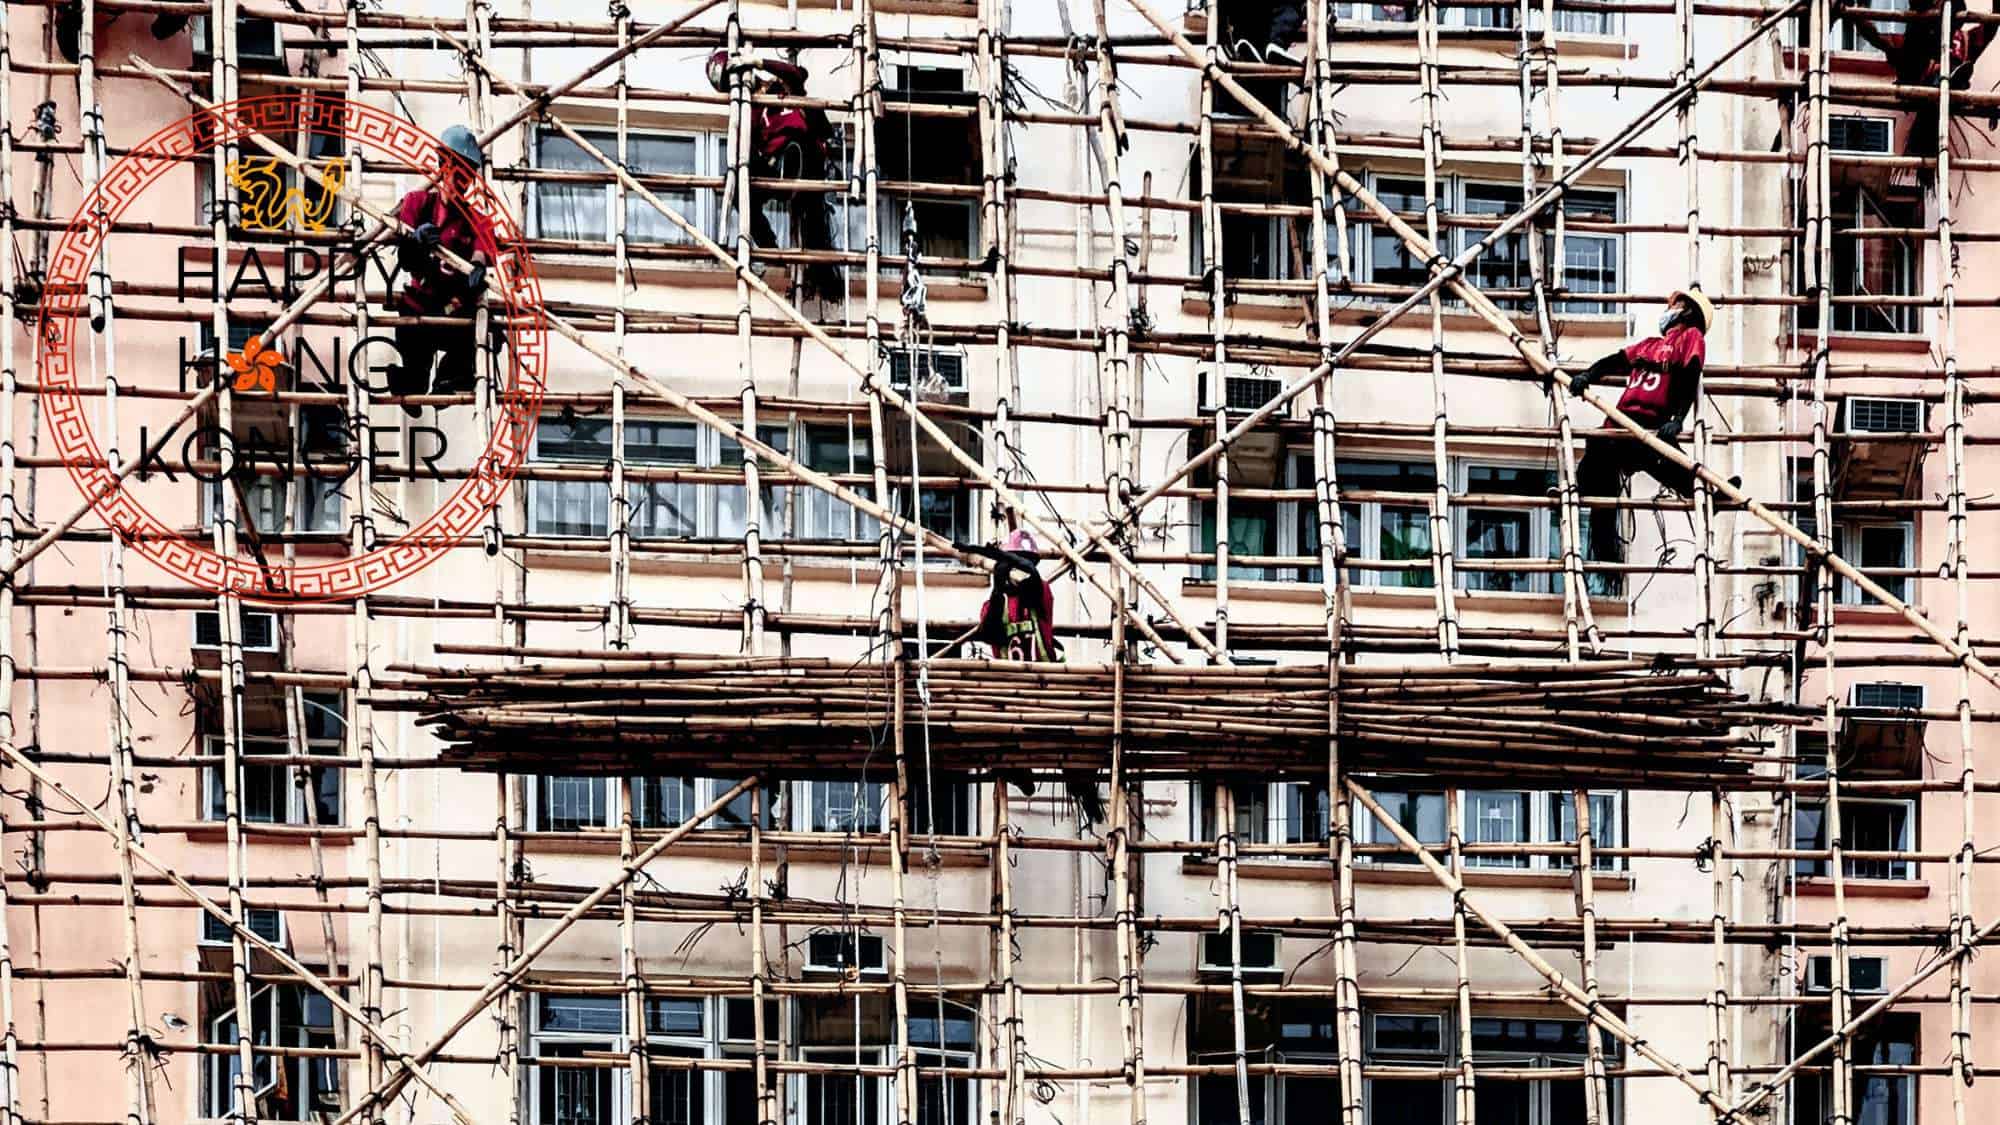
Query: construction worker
(1912, 54)
(1662, 374)
(69, 27)
(1018, 623)
(440, 218)
(1283, 26)
(787, 143)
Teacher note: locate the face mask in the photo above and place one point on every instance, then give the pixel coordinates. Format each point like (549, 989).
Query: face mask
(1668, 318)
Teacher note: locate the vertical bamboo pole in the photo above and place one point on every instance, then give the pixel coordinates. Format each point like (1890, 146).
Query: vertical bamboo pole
(359, 738)
(638, 1077)
(997, 229)
(768, 1112)
(1332, 561)
(1957, 539)
(1819, 222)
(741, 133)
(1231, 922)
(138, 1045)
(1444, 577)
(1218, 359)
(1463, 1091)
(223, 79)
(1131, 1003)
(10, 528)
(620, 508)
(1596, 1087)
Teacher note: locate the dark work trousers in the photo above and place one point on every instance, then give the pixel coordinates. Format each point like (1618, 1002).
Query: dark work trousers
(418, 345)
(1607, 463)
(810, 212)
(1288, 22)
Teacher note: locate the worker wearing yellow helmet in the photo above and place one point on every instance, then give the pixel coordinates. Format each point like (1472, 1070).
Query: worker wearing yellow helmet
(1662, 375)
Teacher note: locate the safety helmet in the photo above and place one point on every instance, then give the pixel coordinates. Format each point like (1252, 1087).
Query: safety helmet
(461, 142)
(718, 70)
(1021, 541)
(1700, 301)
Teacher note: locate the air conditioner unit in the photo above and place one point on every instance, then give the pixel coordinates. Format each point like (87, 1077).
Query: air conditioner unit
(1877, 456)
(940, 371)
(1864, 974)
(265, 922)
(1882, 732)
(1243, 393)
(1863, 415)
(258, 631)
(1260, 952)
(259, 44)
(1867, 136)
(845, 954)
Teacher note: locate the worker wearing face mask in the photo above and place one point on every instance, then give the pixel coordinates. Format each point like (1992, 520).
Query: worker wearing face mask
(1662, 374)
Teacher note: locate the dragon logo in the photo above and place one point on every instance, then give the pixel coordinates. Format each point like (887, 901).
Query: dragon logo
(269, 203)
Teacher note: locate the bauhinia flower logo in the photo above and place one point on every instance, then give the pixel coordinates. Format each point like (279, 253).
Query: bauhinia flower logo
(256, 366)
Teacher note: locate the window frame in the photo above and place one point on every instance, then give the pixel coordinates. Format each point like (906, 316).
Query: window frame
(212, 795)
(1543, 826)
(612, 796)
(219, 1067)
(1452, 193)
(1276, 821)
(711, 160)
(711, 450)
(1910, 870)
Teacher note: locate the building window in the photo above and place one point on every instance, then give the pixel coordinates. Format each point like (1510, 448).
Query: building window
(1296, 1032)
(278, 793)
(1508, 533)
(677, 1027)
(1869, 264)
(560, 803)
(1256, 173)
(1412, 1040)
(1593, 262)
(927, 148)
(1873, 546)
(1851, 35)
(287, 200)
(1889, 1039)
(1503, 816)
(287, 1088)
(1279, 812)
(583, 211)
(943, 1033)
(1867, 825)
(836, 450)
(1388, 530)
(660, 509)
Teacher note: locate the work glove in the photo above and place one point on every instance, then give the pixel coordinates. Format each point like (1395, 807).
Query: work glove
(426, 235)
(1670, 431)
(1578, 382)
(475, 280)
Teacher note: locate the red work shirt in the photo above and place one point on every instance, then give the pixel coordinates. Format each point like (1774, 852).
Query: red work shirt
(460, 231)
(1665, 371)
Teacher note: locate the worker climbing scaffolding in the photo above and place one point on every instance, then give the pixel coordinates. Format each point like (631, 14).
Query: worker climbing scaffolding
(1018, 623)
(786, 143)
(438, 358)
(1914, 54)
(1663, 376)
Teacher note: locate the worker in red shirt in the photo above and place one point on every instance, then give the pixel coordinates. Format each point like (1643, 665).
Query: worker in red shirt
(440, 217)
(1018, 623)
(787, 143)
(1911, 48)
(1662, 374)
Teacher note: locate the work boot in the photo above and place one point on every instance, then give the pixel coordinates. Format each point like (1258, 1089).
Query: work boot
(1082, 787)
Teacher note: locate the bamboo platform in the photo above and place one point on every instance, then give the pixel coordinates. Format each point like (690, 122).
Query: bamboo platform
(1625, 723)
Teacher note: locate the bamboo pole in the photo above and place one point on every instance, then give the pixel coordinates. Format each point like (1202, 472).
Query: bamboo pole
(10, 520)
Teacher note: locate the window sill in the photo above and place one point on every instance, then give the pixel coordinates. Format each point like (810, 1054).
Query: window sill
(1869, 615)
(1195, 26)
(1318, 871)
(1406, 597)
(700, 273)
(1900, 343)
(738, 849)
(728, 563)
(1819, 886)
(964, 8)
(1590, 325)
(215, 832)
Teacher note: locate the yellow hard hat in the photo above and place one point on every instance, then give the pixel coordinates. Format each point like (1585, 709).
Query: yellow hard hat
(1700, 301)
